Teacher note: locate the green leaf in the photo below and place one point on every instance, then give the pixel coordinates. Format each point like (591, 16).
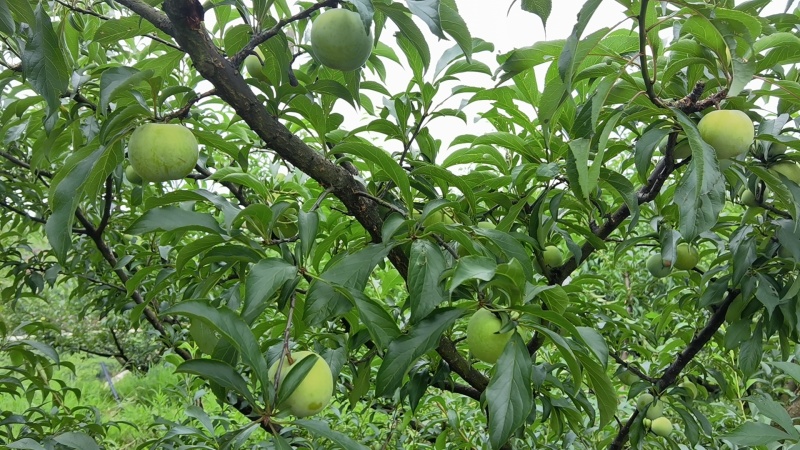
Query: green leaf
(541, 8)
(170, 218)
(428, 11)
(333, 88)
(580, 152)
(76, 440)
(44, 349)
(351, 271)
(509, 395)
(44, 66)
(567, 59)
(601, 386)
(383, 161)
(743, 72)
(454, 25)
(704, 31)
(112, 31)
(510, 246)
(751, 351)
(434, 171)
(596, 343)
(117, 79)
(406, 349)
(380, 324)
(219, 372)
(6, 19)
(294, 377)
(27, 444)
(755, 433)
(22, 11)
(525, 58)
(425, 268)
(65, 193)
(472, 267)
(263, 281)
(700, 194)
(308, 222)
(233, 330)
(322, 429)
(775, 411)
(408, 29)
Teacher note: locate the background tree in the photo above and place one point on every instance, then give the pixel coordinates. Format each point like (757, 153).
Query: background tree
(325, 213)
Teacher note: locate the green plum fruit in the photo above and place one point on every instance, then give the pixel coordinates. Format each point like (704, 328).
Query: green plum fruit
(316, 389)
(161, 152)
(776, 148)
(483, 339)
(730, 132)
(628, 377)
(132, 176)
(657, 267)
(789, 169)
(254, 67)
(340, 40)
(552, 256)
(655, 410)
(661, 426)
(748, 198)
(644, 401)
(686, 257)
(690, 388)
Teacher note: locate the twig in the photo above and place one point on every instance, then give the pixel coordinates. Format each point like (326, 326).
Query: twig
(383, 203)
(321, 198)
(184, 111)
(257, 39)
(235, 189)
(648, 83)
(671, 374)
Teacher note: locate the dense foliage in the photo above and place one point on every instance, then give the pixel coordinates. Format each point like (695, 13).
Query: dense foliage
(335, 212)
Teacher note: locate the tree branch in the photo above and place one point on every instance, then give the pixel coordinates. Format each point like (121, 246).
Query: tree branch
(150, 14)
(237, 59)
(681, 361)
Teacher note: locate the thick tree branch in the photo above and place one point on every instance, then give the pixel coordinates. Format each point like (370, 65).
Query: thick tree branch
(111, 259)
(150, 14)
(681, 361)
(191, 35)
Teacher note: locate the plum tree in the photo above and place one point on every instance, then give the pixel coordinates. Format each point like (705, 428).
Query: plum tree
(340, 40)
(316, 389)
(729, 131)
(162, 152)
(243, 259)
(686, 256)
(483, 339)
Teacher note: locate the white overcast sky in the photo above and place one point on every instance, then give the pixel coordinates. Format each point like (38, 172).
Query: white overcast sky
(507, 30)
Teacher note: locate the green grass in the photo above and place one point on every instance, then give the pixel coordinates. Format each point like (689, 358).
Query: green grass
(159, 392)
